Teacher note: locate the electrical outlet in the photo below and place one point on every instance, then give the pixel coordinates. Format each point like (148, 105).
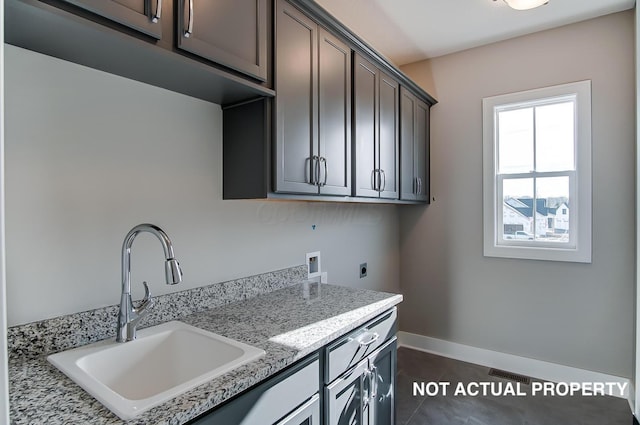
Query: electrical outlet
(363, 270)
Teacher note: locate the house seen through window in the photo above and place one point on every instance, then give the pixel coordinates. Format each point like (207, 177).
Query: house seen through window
(537, 172)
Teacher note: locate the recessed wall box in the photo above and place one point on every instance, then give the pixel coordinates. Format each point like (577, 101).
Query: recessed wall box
(314, 268)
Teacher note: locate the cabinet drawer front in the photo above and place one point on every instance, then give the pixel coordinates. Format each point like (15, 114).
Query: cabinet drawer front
(350, 349)
(272, 400)
(307, 414)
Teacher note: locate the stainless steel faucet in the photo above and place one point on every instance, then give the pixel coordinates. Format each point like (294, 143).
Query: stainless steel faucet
(129, 316)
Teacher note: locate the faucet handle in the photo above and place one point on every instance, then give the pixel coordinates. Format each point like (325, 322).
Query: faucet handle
(147, 301)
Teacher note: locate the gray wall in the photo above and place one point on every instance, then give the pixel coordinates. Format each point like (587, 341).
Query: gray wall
(89, 155)
(580, 315)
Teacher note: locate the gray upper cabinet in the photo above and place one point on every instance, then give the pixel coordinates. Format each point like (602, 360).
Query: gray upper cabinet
(334, 97)
(332, 132)
(414, 147)
(232, 33)
(313, 107)
(141, 15)
(365, 83)
(376, 131)
(296, 103)
(388, 136)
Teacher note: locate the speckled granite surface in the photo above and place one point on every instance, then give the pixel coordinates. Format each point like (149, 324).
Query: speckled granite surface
(287, 323)
(74, 330)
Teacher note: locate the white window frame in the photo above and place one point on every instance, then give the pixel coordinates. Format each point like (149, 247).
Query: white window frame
(578, 249)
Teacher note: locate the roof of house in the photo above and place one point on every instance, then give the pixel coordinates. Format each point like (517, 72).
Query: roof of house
(525, 206)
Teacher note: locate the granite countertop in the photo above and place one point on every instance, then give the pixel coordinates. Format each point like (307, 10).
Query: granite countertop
(288, 323)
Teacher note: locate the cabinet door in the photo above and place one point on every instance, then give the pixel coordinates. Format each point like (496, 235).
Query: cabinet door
(307, 414)
(296, 165)
(142, 15)
(347, 399)
(229, 32)
(365, 127)
(388, 131)
(408, 178)
(414, 147)
(383, 364)
(421, 151)
(334, 97)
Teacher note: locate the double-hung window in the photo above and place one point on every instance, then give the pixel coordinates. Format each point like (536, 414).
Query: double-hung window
(537, 174)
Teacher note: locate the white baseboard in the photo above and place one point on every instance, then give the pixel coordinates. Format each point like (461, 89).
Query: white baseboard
(522, 365)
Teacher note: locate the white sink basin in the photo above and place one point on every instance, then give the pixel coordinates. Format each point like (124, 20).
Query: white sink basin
(163, 362)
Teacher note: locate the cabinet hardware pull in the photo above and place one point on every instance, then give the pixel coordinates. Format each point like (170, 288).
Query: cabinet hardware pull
(365, 395)
(366, 391)
(309, 161)
(316, 169)
(384, 180)
(374, 179)
(373, 391)
(373, 337)
(326, 171)
(156, 17)
(313, 170)
(378, 187)
(189, 30)
(419, 180)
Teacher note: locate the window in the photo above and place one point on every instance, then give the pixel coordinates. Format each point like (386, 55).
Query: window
(537, 174)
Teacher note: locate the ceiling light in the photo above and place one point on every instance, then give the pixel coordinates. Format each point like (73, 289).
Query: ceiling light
(525, 4)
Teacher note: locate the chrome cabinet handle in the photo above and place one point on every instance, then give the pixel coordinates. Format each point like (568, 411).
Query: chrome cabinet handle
(156, 17)
(366, 398)
(378, 187)
(373, 337)
(419, 191)
(309, 161)
(384, 181)
(316, 169)
(373, 391)
(326, 171)
(374, 179)
(189, 30)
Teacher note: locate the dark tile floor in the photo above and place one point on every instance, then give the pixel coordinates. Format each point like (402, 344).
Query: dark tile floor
(417, 366)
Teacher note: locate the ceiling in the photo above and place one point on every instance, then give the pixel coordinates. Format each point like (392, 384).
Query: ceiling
(407, 31)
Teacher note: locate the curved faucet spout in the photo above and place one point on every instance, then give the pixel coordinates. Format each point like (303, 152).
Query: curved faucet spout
(129, 316)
